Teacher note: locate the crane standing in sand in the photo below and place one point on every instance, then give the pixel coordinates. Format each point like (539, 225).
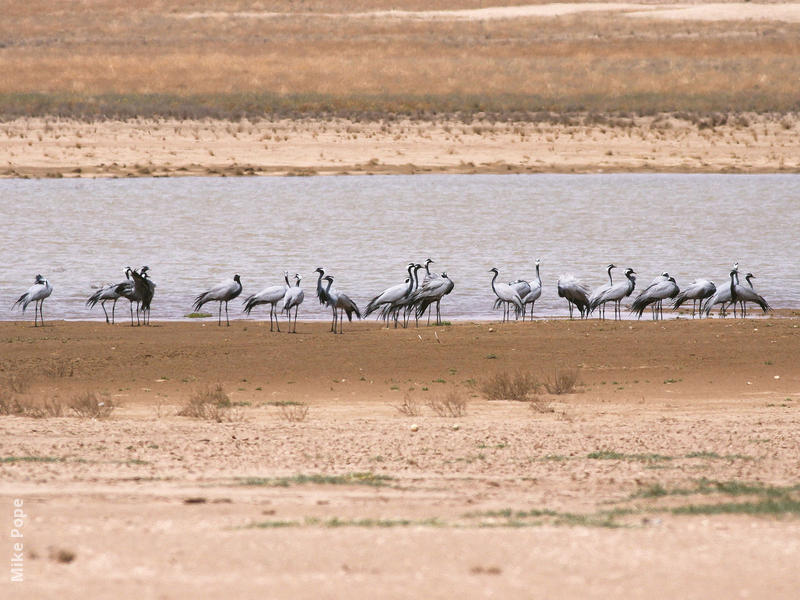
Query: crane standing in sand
(37, 293)
(224, 292)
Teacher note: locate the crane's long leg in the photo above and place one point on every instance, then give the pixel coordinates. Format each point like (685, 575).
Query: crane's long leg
(296, 308)
(41, 313)
(113, 310)
(227, 320)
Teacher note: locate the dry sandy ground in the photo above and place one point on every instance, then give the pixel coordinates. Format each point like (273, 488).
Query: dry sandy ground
(51, 147)
(572, 496)
(706, 11)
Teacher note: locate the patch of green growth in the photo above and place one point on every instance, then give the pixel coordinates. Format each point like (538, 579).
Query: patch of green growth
(490, 356)
(716, 456)
(274, 524)
(555, 457)
(362, 478)
(336, 522)
(282, 403)
(198, 315)
(769, 506)
(13, 459)
(612, 455)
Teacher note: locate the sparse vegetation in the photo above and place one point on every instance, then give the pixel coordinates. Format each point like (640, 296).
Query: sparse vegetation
(562, 382)
(89, 406)
(450, 404)
(612, 455)
(11, 405)
(210, 404)
(505, 386)
(359, 478)
(295, 412)
(13, 459)
(409, 407)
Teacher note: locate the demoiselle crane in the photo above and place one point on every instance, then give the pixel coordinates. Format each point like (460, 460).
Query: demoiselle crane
(222, 293)
(340, 303)
(655, 293)
(506, 294)
(616, 293)
(269, 295)
(292, 300)
(37, 293)
(575, 293)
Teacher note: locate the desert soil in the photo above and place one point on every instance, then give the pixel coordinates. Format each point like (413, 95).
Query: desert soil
(575, 495)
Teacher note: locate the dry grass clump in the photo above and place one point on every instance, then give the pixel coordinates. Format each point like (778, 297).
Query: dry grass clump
(89, 406)
(451, 404)
(18, 383)
(562, 382)
(11, 405)
(295, 412)
(210, 404)
(60, 368)
(409, 407)
(505, 386)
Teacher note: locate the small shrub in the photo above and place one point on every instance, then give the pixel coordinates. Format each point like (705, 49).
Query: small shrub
(210, 404)
(409, 407)
(451, 404)
(10, 405)
(89, 406)
(563, 382)
(60, 368)
(538, 405)
(294, 413)
(504, 386)
(18, 382)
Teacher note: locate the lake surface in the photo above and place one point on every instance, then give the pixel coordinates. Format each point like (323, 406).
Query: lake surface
(196, 232)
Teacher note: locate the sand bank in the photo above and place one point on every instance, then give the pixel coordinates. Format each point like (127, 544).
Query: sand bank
(54, 148)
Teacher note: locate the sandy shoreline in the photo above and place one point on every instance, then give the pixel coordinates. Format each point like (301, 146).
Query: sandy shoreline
(577, 495)
(38, 147)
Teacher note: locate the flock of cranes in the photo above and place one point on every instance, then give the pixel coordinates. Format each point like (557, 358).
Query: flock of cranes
(419, 294)
(517, 295)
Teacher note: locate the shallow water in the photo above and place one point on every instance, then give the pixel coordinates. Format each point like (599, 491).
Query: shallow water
(195, 232)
